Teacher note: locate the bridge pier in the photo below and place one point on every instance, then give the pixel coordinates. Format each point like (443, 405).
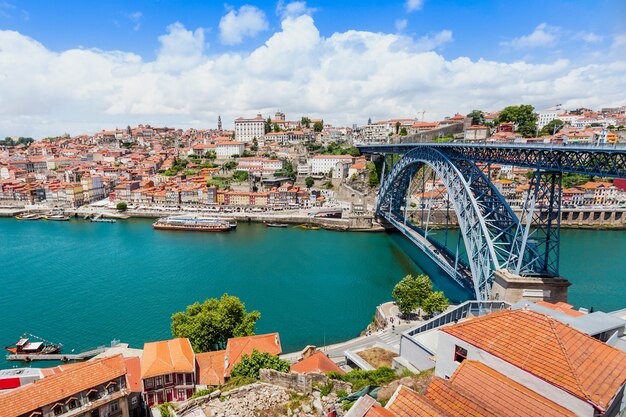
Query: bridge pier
(513, 288)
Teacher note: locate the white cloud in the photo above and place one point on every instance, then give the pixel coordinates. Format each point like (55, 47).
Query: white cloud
(135, 18)
(401, 24)
(345, 78)
(236, 25)
(619, 42)
(293, 9)
(588, 37)
(414, 5)
(544, 36)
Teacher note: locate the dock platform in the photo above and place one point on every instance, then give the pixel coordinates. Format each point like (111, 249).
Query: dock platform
(63, 357)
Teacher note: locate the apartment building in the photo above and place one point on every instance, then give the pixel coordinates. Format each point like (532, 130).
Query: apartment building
(248, 129)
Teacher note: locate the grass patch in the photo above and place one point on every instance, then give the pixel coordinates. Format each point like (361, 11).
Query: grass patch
(377, 357)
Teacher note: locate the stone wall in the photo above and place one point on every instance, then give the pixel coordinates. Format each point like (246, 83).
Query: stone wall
(301, 382)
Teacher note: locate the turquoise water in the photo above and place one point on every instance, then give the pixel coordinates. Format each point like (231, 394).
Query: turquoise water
(84, 284)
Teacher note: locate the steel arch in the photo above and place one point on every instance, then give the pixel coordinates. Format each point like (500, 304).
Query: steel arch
(480, 219)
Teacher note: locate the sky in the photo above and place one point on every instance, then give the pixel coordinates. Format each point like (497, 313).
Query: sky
(80, 66)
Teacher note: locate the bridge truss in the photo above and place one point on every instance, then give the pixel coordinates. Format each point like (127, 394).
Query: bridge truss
(493, 236)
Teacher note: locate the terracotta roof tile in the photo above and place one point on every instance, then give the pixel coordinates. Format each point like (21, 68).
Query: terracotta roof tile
(456, 400)
(133, 373)
(550, 350)
(61, 385)
(211, 367)
(318, 362)
(236, 347)
(167, 356)
(408, 403)
(503, 395)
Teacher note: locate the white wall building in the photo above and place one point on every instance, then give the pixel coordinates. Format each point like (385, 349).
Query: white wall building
(260, 165)
(248, 129)
(546, 116)
(228, 148)
(322, 164)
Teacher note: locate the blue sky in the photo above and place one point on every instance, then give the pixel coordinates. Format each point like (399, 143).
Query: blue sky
(479, 27)
(79, 66)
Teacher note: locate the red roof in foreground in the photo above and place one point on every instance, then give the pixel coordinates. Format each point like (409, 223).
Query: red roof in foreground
(456, 400)
(210, 367)
(407, 403)
(61, 385)
(550, 350)
(318, 362)
(502, 395)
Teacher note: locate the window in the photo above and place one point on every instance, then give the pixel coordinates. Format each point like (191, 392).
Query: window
(181, 379)
(168, 378)
(460, 354)
(58, 410)
(111, 388)
(149, 383)
(72, 404)
(158, 381)
(181, 394)
(113, 407)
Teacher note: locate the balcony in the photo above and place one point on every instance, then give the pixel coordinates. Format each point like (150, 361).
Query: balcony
(93, 405)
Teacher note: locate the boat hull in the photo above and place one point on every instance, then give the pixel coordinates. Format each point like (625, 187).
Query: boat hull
(192, 228)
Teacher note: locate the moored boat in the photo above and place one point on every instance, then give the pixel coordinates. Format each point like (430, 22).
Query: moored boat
(32, 216)
(308, 227)
(276, 225)
(199, 224)
(40, 347)
(57, 217)
(103, 220)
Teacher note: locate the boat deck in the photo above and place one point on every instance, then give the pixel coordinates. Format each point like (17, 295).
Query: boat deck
(28, 357)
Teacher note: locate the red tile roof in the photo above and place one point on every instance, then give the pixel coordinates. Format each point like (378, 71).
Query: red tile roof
(133, 373)
(543, 346)
(238, 346)
(167, 356)
(318, 362)
(211, 367)
(407, 403)
(60, 386)
(456, 400)
(502, 395)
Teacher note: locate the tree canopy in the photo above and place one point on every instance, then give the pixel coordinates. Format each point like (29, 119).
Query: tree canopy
(121, 206)
(523, 116)
(436, 302)
(250, 365)
(209, 325)
(553, 127)
(411, 292)
(477, 116)
(305, 122)
(318, 126)
(309, 181)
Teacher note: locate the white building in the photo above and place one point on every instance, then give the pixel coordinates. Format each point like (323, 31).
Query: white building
(227, 149)
(546, 116)
(248, 129)
(260, 165)
(323, 164)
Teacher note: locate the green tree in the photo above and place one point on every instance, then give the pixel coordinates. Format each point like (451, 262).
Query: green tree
(523, 116)
(411, 292)
(250, 365)
(305, 122)
(276, 127)
(553, 127)
(230, 165)
(309, 181)
(373, 177)
(209, 325)
(318, 126)
(121, 206)
(403, 132)
(397, 127)
(436, 302)
(255, 145)
(240, 176)
(210, 155)
(477, 116)
(268, 125)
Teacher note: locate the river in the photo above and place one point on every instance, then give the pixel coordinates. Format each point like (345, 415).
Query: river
(84, 284)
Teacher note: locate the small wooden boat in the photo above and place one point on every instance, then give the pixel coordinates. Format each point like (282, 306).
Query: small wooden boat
(32, 216)
(41, 347)
(57, 217)
(308, 227)
(276, 225)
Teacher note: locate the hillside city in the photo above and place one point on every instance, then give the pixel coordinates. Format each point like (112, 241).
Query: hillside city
(275, 164)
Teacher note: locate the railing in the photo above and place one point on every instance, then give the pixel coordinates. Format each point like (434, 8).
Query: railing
(482, 144)
(468, 308)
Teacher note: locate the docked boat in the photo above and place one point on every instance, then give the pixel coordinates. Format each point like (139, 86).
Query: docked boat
(40, 347)
(198, 224)
(103, 220)
(308, 227)
(276, 225)
(32, 216)
(57, 217)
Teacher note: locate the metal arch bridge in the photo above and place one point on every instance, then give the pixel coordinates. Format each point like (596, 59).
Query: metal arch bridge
(494, 237)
